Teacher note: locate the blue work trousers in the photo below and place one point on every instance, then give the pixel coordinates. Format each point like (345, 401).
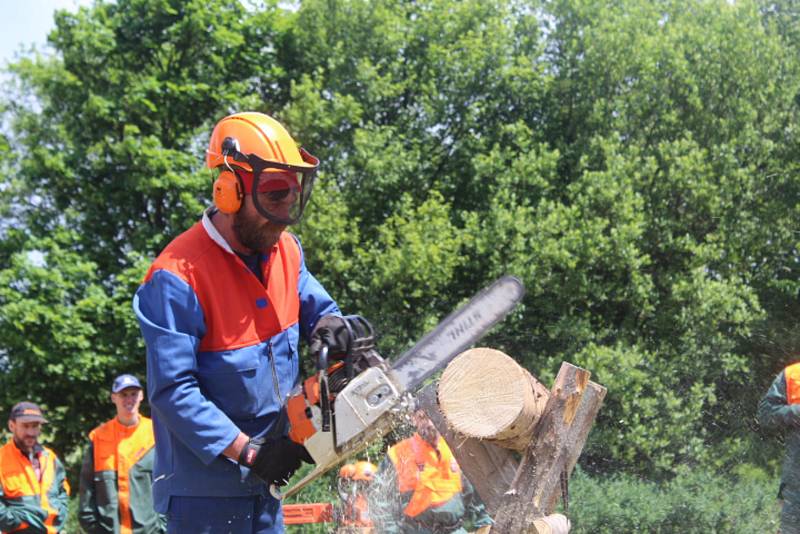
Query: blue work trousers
(224, 515)
(790, 517)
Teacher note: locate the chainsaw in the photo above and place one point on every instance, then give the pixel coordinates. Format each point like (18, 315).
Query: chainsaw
(344, 406)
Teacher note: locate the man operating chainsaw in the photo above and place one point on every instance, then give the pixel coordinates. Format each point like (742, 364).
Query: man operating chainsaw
(222, 310)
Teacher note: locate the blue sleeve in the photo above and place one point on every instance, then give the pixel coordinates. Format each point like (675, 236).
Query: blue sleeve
(774, 410)
(315, 302)
(172, 324)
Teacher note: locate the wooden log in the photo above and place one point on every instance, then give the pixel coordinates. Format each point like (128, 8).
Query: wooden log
(485, 394)
(552, 524)
(548, 462)
(520, 495)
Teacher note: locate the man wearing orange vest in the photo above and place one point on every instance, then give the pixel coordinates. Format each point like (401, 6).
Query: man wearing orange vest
(34, 491)
(117, 474)
(780, 410)
(222, 311)
(434, 496)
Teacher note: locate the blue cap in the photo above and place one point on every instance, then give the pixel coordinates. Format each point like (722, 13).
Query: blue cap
(125, 381)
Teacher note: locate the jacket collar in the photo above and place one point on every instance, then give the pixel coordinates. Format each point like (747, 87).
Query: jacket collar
(212, 231)
(217, 238)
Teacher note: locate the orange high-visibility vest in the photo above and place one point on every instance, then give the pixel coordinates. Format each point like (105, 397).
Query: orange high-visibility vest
(238, 311)
(19, 480)
(117, 448)
(433, 476)
(792, 374)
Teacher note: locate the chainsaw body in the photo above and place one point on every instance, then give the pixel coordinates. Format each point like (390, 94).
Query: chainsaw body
(356, 403)
(344, 406)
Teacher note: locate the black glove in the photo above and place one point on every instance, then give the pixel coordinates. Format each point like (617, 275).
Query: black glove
(335, 332)
(274, 460)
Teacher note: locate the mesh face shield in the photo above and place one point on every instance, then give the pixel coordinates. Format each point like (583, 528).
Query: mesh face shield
(280, 191)
(268, 164)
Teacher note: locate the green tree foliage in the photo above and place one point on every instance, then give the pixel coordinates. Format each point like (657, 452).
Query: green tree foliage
(111, 130)
(633, 162)
(694, 501)
(105, 167)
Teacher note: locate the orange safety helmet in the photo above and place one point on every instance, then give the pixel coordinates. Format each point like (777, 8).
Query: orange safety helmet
(254, 152)
(347, 471)
(365, 471)
(360, 471)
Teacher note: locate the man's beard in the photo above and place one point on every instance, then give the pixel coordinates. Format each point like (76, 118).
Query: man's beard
(253, 233)
(26, 445)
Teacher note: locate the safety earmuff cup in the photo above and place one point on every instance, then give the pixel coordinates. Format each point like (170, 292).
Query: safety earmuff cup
(228, 192)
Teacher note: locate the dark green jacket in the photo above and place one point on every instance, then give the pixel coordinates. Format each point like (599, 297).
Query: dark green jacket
(774, 412)
(116, 481)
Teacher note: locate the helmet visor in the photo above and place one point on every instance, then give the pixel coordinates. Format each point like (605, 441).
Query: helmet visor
(281, 191)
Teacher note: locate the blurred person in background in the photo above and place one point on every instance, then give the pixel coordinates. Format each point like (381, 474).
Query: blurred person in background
(420, 488)
(779, 410)
(34, 491)
(353, 485)
(116, 480)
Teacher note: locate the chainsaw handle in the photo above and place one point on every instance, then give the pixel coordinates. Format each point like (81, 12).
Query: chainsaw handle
(324, 390)
(324, 401)
(322, 358)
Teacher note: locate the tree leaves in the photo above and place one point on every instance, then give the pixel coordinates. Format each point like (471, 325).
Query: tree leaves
(633, 162)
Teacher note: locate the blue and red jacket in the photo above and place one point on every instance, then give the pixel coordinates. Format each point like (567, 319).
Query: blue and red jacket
(222, 354)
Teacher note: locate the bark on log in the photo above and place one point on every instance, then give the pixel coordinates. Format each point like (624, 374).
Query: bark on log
(560, 435)
(520, 494)
(485, 394)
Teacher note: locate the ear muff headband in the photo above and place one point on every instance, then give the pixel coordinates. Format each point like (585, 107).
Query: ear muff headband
(228, 192)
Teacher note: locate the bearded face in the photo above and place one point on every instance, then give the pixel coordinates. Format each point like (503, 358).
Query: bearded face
(254, 231)
(425, 427)
(26, 434)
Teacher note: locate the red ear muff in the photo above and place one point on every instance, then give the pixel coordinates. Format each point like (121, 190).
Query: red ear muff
(228, 192)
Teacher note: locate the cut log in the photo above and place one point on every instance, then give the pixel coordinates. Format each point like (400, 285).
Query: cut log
(552, 524)
(548, 462)
(485, 394)
(521, 495)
